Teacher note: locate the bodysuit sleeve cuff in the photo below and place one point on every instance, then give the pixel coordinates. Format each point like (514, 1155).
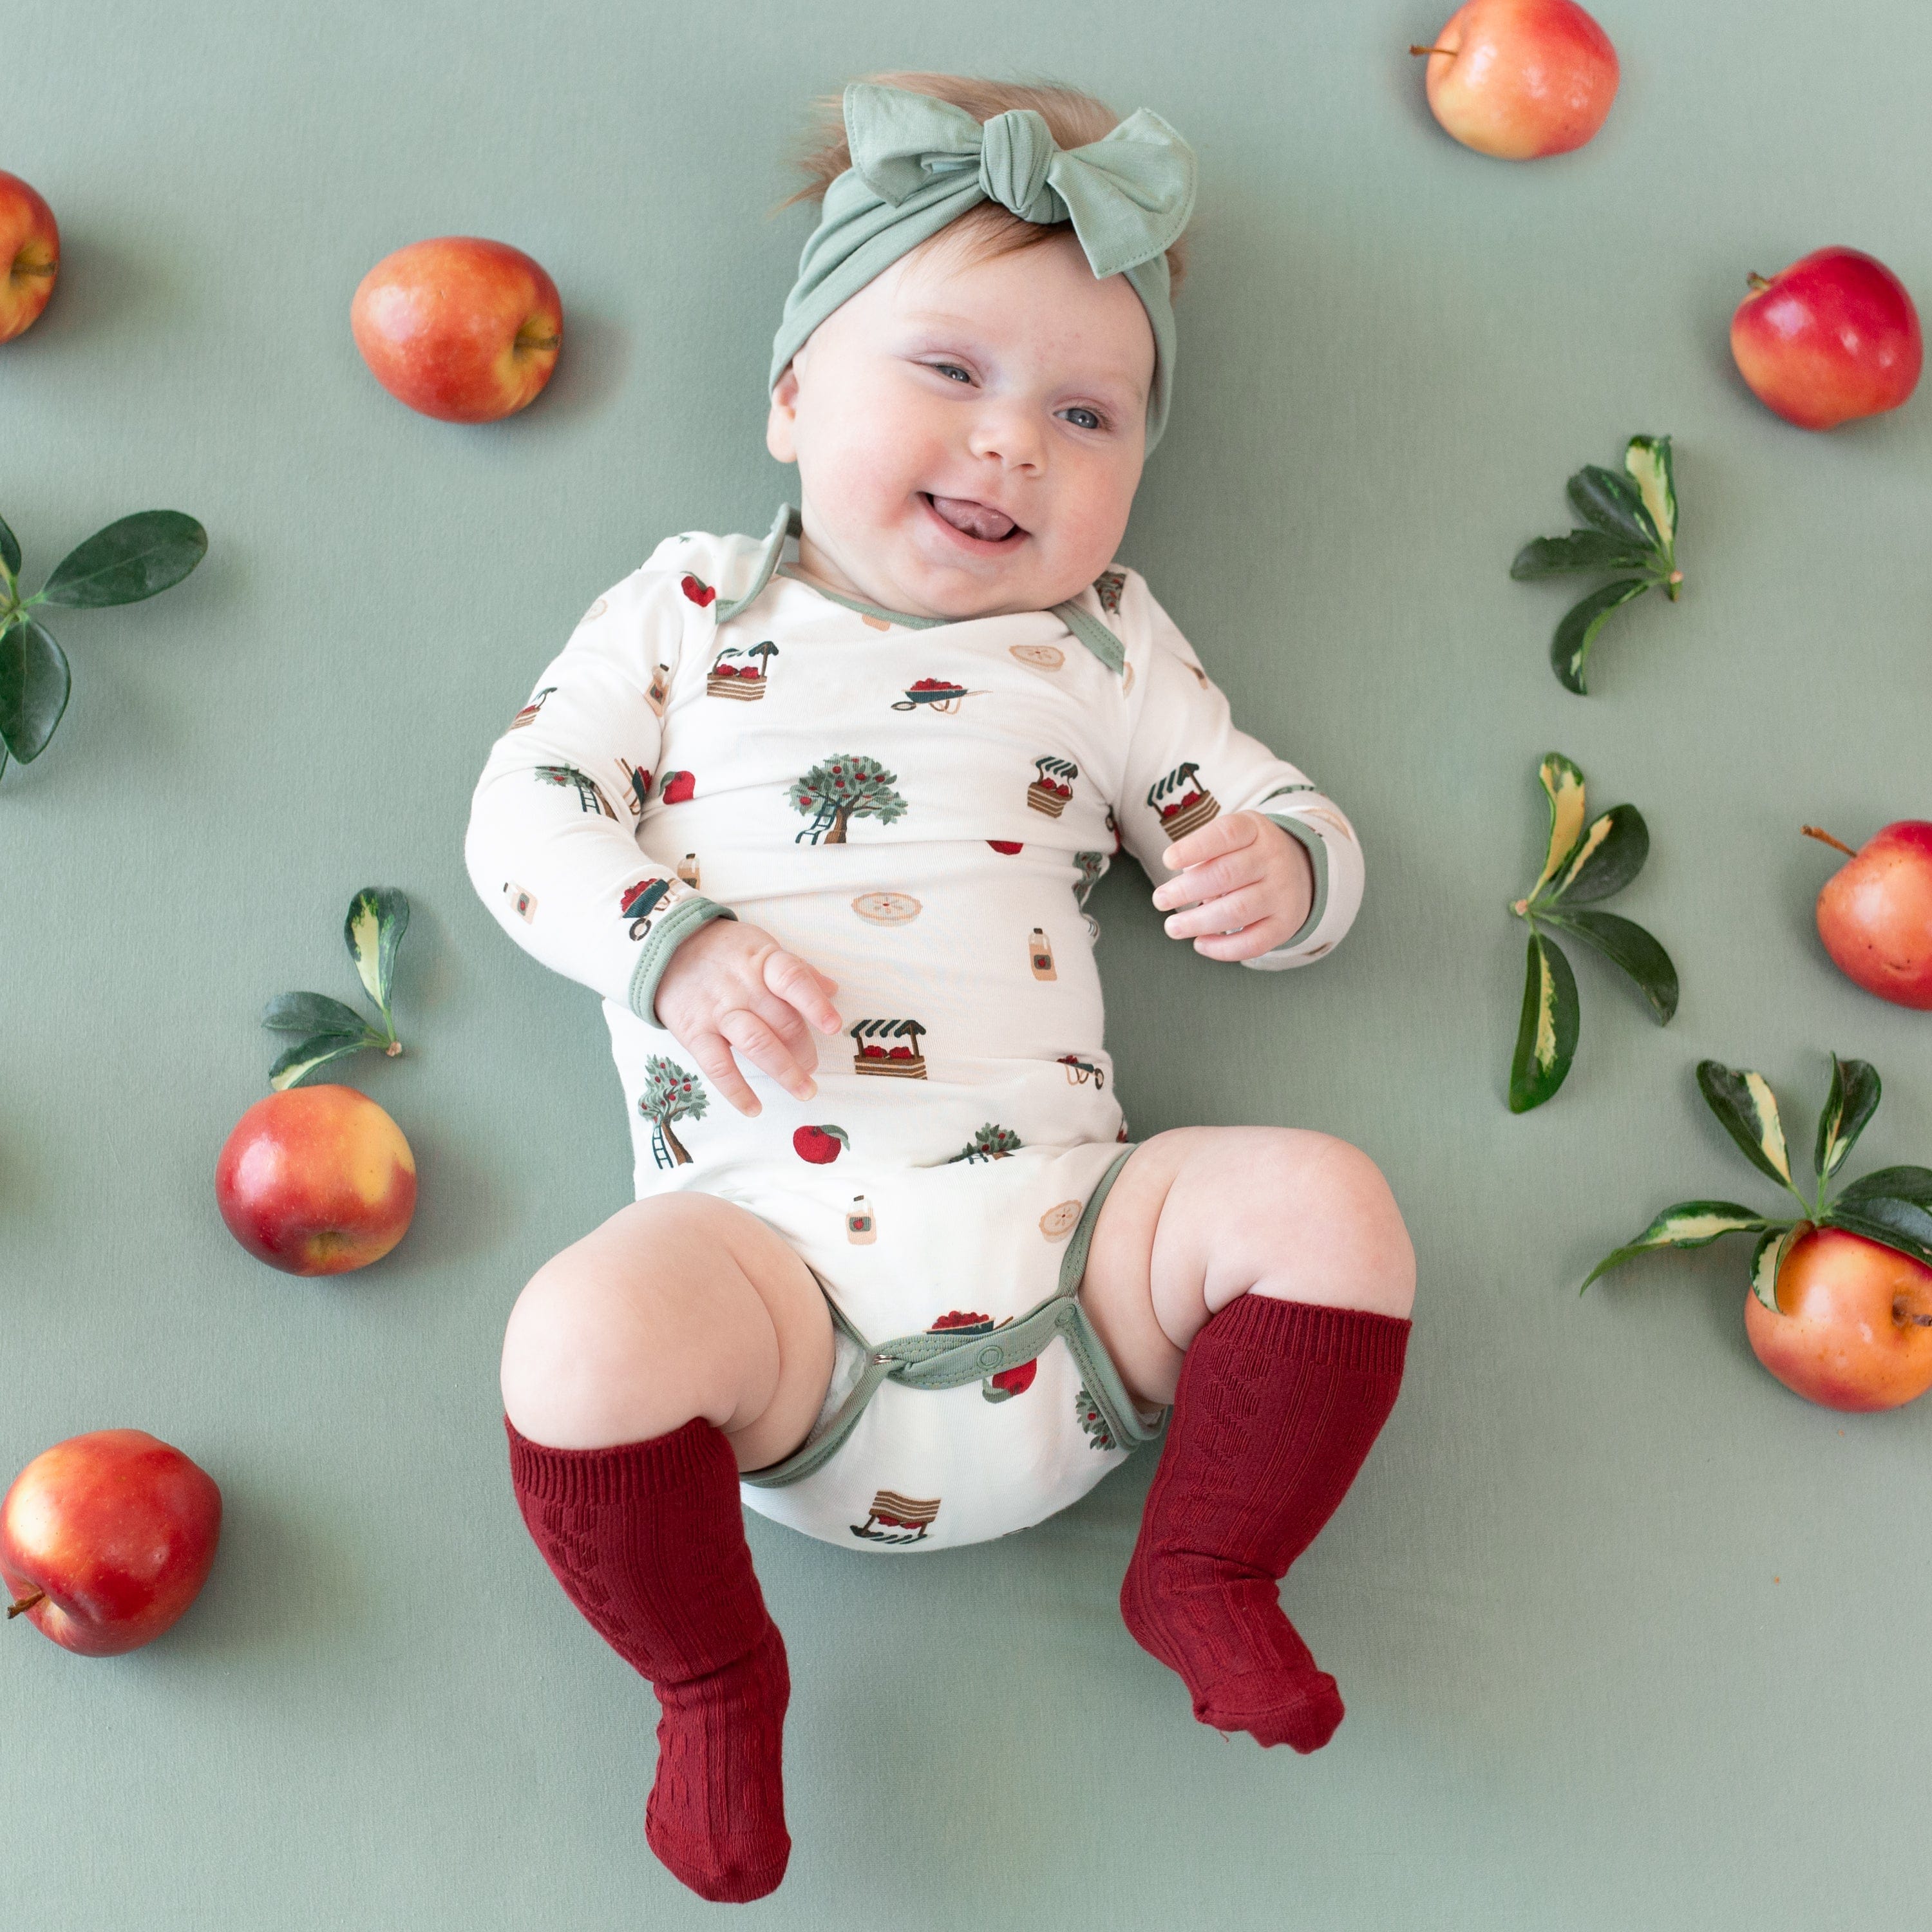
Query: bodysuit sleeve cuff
(666, 935)
(1311, 842)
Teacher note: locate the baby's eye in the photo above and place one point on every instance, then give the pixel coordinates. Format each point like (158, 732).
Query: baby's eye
(1083, 417)
(951, 369)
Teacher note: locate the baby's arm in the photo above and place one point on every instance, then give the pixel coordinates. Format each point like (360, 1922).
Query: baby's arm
(1251, 862)
(552, 851)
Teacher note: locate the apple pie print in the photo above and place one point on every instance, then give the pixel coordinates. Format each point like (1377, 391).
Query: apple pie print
(874, 623)
(1038, 657)
(887, 908)
(1057, 1222)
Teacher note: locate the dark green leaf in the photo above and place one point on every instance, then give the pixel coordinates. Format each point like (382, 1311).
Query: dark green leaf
(1691, 1224)
(1571, 645)
(9, 549)
(1905, 1225)
(1905, 1184)
(378, 915)
(1609, 855)
(128, 560)
(34, 681)
(1852, 1101)
(312, 1013)
(1627, 946)
(1647, 461)
(1747, 1109)
(1611, 504)
(1546, 1041)
(299, 1062)
(1581, 550)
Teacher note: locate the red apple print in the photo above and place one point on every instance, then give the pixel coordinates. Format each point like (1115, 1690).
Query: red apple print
(873, 1052)
(820, 1145)
(678, 786)
(1016, 1381)
(959, 1318)
(700, 592)
(1009, 846)
(900, 1053)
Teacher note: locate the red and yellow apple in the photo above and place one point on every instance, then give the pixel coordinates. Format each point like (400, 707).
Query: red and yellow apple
(1521, 78)
(316, 1181)
(1833, 337)
(1853, 1329)
(30, 248)
(106, 1539)
(460, 328)
(1875, 912)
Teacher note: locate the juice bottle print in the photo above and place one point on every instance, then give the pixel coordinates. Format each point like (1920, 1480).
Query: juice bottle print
(1039, 951)
(861, 1229)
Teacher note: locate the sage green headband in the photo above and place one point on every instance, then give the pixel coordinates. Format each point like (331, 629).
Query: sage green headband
(919, 163)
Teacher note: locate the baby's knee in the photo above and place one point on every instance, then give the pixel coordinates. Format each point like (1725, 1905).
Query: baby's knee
(1337, 1207)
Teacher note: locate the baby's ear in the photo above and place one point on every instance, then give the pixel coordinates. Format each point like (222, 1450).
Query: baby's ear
(781, 425)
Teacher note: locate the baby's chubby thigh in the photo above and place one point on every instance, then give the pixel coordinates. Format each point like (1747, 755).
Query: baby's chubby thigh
(679, 1306)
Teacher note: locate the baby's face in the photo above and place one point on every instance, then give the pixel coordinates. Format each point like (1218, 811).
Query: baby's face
(969, 434)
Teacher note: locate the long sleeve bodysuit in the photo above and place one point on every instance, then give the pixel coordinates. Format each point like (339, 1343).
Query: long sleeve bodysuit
(920, 808)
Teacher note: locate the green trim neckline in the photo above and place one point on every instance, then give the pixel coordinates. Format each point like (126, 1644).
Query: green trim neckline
(1081, 623)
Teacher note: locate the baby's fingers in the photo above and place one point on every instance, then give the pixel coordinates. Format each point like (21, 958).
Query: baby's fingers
(759, 1042)
(714, 1062)
(1227, 833)
(1232, 912)
(802, 986)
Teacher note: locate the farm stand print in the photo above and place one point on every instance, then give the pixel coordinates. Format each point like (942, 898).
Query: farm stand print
(872, 1054)
(896, 1519)
(1184, 806)
(671, 1093)
(1052, 785)
(850, 786)
(744, 680)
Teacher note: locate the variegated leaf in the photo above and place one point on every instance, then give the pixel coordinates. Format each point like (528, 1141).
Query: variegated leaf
(1893, 1222)
(1570, 646)
(1581, 550)
(1767, 1258)
(1691, 1224)
(1853, 1100)
(1747, 1110)
(1648, 460)
(300, 1061)
(1546, 1034)
(1611, 504)
(378, 915)
(1609, 855)
(312, 1013)
(1899, 1183)
(1562, 785)
(9, 551)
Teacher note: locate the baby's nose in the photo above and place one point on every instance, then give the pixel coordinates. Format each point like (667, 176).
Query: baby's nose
(1009, 434)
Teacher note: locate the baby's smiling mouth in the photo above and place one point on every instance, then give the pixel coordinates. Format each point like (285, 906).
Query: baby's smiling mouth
(974, 519)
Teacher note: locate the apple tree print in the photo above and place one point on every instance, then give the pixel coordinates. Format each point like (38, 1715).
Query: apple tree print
(991, 1142)
(670, 1092)
(841, 789)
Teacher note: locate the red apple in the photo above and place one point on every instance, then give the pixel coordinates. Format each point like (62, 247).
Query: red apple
(1854, 1326)
(462, 329)
(1833, 337)
(1875, 914)
(820, 1145)
(316, 1181)
(105, 1538)
(1520, 79)
(30, 248)
(678, 786)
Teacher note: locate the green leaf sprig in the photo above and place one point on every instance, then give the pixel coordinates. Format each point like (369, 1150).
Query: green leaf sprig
(1585, 861)
(1632, 528)
(1892, 1206)
(378, 915)
(135, 558)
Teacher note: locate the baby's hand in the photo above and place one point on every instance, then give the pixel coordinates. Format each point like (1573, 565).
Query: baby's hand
(1247, 886)
(731, 984)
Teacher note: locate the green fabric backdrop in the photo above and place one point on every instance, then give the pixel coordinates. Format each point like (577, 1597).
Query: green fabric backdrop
(1628, 1634)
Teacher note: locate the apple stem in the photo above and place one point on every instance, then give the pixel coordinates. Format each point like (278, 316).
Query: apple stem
(1826, 838)
(1757, 282)
(1450, 51)
(25, 1604)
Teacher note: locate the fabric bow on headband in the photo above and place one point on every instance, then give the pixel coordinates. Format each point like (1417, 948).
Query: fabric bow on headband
(919, 163)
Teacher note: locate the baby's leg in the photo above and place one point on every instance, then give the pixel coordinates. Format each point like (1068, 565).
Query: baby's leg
(643, 1367)
(1260, 1278)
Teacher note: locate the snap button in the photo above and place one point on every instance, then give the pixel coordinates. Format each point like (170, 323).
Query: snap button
(991, 1356)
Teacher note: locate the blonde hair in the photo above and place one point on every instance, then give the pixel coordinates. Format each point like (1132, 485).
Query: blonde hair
(1073, 118)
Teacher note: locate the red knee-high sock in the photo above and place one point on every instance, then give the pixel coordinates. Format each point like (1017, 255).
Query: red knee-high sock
(648, 1541)
(1277, 1405)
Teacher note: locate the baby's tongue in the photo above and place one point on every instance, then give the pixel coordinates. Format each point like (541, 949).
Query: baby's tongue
(976, 519)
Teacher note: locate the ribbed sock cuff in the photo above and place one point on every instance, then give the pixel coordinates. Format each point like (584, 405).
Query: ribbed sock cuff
(695, 1454)
(1345, 1338)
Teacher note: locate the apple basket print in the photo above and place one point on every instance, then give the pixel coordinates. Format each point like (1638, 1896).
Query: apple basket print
(745, 678)
(888, 1047)
(671, 1093)
(1183, 804)
(840, 789)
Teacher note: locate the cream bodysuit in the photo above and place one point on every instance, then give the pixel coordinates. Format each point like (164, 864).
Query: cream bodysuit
(919, 808)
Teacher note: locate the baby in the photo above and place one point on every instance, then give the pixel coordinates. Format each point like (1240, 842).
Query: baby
(853, 782)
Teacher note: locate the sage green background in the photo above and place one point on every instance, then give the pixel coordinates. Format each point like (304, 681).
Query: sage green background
(1629, 1637)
